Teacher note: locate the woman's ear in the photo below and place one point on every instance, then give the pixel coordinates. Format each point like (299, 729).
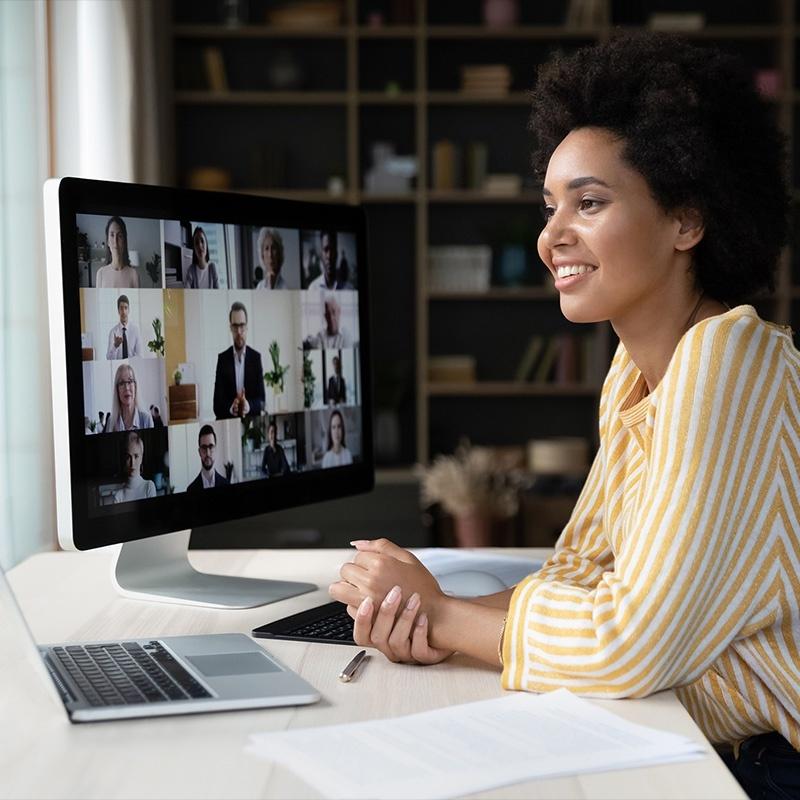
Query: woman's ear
(691, 229)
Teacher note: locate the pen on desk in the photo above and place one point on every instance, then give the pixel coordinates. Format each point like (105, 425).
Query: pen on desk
(348, 673)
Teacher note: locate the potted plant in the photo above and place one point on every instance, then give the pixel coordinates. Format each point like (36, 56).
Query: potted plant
(476, 488)
(153, 268)
(177, 376)
(308, 379)
(275, 377)
(156, 345)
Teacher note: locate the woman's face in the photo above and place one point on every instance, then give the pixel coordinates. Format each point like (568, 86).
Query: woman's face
(116, 240)
(126, 388)
(600, 214)
(271, 255)
(133, 459)
(200, 245)
(336, 430)
(271, 435)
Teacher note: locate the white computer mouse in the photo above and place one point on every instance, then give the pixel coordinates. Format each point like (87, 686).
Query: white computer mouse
(470, 583)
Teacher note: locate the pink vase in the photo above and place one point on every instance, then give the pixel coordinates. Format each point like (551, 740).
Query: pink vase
(500, 13)
(473, 530)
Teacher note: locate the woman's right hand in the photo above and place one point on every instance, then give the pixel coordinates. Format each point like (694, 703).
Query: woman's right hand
(398, 628)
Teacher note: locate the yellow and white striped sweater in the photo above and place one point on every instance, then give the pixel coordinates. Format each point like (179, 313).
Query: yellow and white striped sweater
(680, 564)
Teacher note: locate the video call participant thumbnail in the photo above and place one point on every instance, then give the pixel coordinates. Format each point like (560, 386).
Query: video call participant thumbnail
(123, 339)
(337, 454)
(271, 256)
(239, 380)
(202, 273)
(333, 335)
(337, 390)
(136, 487)
(274, 462)
(208, 477)
(125, 412)
(117, 273)
(335, 272)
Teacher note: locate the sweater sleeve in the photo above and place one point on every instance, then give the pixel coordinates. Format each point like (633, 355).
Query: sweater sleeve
(691, 570)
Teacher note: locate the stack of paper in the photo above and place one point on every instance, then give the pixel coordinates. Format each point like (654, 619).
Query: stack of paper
(469, 748)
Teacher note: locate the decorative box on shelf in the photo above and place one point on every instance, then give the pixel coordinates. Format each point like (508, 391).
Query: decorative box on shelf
(183, 402)
(465, 268)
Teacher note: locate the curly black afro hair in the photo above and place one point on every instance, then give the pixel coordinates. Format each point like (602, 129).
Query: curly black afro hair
(695, 128)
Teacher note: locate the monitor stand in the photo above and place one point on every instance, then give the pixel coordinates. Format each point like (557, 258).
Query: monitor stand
(158, 568)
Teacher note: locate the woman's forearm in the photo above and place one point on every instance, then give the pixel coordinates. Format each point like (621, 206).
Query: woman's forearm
(496, 600)
(468, 627)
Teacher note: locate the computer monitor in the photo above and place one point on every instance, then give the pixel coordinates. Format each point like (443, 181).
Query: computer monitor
(210, 361)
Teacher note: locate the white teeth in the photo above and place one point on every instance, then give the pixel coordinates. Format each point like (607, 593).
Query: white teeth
(577, 269)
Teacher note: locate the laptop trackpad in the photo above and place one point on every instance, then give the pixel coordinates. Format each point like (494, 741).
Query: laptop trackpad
(218, 666)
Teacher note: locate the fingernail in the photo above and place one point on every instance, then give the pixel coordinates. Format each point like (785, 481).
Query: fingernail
(357, 542)
(413, 602)
(423, 619)
(366, 607)
(393, 596)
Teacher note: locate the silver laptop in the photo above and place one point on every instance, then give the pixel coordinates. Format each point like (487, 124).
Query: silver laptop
(149, 677)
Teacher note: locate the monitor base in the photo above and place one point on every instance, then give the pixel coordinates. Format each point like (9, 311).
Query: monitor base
(158, 569)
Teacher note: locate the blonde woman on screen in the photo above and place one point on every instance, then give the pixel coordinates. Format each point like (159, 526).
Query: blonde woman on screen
(136, 487)
(125, 412)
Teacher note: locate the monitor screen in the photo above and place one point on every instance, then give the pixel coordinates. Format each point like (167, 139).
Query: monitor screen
(215, 351)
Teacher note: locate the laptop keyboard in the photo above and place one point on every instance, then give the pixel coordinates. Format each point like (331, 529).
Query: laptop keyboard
(127, 673)
(338, 625)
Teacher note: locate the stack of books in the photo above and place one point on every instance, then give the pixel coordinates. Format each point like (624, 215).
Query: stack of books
(488, 80)
(561, 359)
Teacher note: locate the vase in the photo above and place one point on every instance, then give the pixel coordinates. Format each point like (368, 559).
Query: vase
(473, 530)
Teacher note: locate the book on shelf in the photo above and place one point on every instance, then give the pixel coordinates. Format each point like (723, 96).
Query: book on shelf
(677, 21)
(486, 79)
(545, 369)
(562, 359)
(528, 360)
(445, 165)
(452, 369)
(216, 76)
(585, 14)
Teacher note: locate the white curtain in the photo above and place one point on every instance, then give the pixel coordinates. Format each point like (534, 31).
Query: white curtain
(27, 503)
(99, 119)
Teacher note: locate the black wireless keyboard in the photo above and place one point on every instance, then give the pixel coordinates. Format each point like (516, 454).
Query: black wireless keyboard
(329, 623)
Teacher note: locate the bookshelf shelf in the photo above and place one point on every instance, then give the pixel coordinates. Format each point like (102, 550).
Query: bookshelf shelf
(510, 389)
(243, 98)
(484, 32)
(526, 294)
(467, 99)
(467, 196)
(256, 32)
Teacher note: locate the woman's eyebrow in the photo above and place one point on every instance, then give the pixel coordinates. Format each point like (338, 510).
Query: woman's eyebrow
(578, 183)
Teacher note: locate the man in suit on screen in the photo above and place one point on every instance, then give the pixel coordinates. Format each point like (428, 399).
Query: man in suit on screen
(239, 381)
(208, 477)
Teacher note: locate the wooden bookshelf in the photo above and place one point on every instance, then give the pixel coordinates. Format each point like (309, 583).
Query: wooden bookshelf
(349, 98)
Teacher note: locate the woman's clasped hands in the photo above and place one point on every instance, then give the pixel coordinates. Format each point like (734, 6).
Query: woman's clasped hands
(393, 600)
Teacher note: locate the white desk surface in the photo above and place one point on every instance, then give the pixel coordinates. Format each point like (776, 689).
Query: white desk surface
(69, 597)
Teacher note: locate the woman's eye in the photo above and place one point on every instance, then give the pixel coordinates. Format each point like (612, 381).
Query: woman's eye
(547, 212)
(589, 204)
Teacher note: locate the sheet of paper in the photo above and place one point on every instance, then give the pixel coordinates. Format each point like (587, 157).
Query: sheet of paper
(469, 748)
(509, 569)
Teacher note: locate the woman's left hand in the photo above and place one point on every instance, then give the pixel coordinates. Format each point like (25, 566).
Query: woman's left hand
(396, 630)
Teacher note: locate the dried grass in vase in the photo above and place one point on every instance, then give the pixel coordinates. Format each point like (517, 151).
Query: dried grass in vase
(474, 481)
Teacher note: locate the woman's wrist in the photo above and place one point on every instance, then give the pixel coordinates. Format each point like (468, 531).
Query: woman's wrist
(467, 627)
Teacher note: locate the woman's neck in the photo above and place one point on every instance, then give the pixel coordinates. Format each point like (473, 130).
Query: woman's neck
(128, 415)
(651, 334)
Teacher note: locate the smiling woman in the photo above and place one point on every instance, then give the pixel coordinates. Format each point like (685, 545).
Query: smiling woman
(665, 209)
